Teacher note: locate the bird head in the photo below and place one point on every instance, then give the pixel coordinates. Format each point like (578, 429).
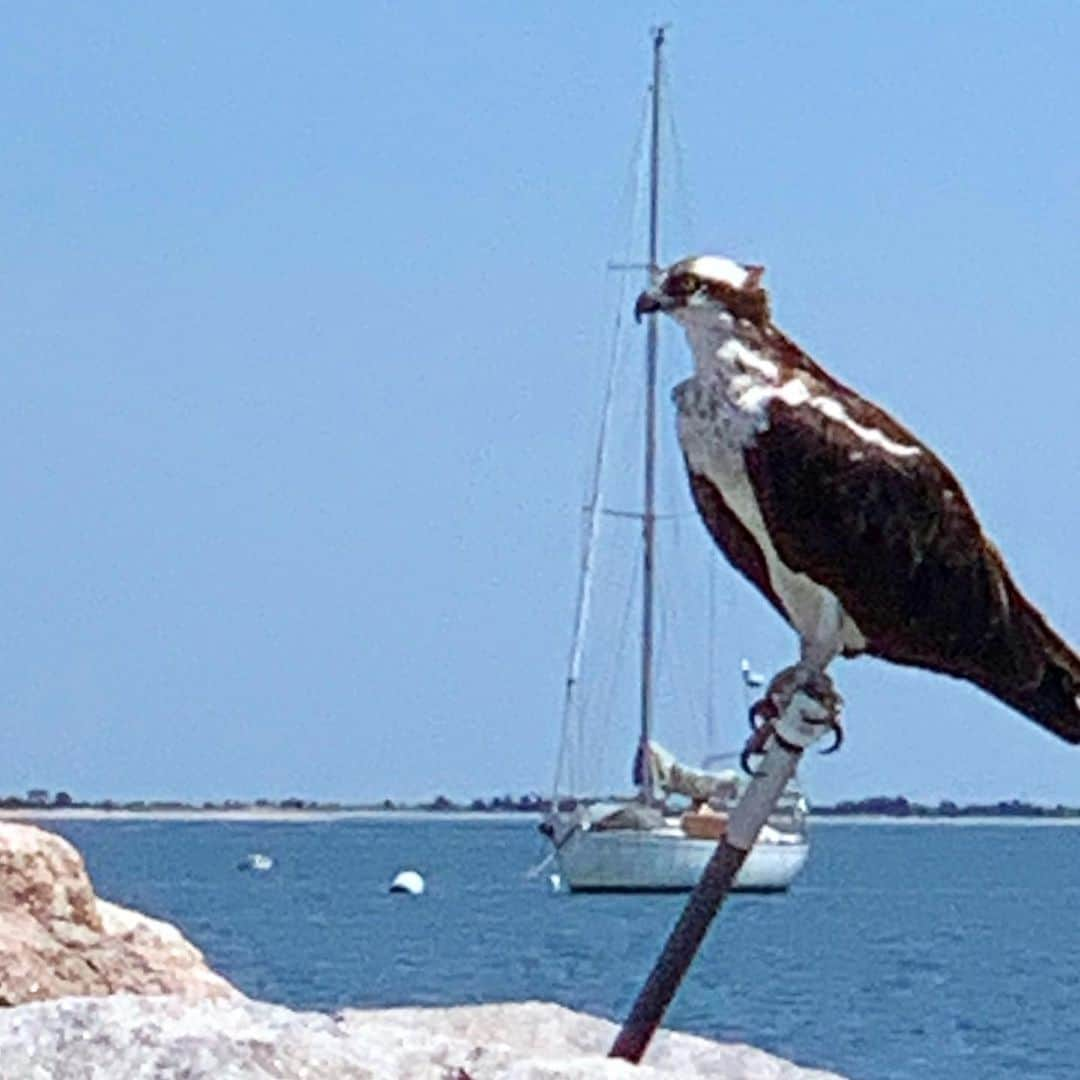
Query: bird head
(707, 288)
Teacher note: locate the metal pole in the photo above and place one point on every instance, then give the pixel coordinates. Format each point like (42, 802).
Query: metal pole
(648, 527)
(754, 808)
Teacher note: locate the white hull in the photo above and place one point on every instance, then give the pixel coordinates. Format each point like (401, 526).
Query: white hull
(666, 860)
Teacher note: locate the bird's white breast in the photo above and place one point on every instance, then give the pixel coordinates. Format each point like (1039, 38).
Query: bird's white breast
(721, 410)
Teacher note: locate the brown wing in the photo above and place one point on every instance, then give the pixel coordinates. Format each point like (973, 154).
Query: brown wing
(732, 537)
(894, 538)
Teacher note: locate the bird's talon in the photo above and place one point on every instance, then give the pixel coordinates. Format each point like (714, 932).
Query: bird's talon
(756, 745)
(764, 716)
(744, 761)
(838, 735)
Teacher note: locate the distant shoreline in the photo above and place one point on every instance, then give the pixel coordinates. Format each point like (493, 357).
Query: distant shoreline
(866, 811)
(256, 815)
(313, 817)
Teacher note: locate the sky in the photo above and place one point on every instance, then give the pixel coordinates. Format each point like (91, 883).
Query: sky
(303, 312)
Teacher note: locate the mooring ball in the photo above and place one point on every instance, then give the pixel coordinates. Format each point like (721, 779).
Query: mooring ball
(408, 881)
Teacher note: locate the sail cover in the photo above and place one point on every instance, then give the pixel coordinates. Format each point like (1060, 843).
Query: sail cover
(675, 778)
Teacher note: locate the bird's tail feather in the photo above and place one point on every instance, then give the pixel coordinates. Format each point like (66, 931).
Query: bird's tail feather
(1046, 687)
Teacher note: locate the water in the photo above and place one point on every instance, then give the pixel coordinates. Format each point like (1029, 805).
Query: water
(902, 953)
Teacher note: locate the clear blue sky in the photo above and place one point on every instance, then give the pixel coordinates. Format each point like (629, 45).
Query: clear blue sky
(300, 311)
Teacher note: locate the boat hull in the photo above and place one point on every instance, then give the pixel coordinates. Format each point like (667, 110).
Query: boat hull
(666, 860)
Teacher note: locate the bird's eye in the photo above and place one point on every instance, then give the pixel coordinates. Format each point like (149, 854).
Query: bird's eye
(683, 285)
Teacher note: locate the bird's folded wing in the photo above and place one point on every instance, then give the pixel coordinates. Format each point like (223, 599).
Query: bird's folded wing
(854, 501)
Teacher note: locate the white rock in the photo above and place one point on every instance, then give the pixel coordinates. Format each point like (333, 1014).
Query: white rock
(125, 1037)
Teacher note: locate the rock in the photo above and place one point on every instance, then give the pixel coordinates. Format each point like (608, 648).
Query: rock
(139, 1038)
(536, 1040)
(58, 938)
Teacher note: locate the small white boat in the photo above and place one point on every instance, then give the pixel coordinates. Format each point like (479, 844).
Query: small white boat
(643, 843)
(662, 855)
(664, 860)
(630, 846)
(257, 861)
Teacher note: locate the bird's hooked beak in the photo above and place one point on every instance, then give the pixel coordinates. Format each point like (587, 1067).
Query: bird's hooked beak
(649, 302)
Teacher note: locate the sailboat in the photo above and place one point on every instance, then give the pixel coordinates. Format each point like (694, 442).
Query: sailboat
(661, 838)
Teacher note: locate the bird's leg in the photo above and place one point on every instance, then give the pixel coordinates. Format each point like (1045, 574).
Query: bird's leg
(798, 695)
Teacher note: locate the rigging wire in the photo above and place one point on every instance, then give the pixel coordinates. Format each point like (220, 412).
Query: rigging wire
(611, 707)
(566, 762)
(684, 203)
(676, 631)
(710, 664)
(673, 587)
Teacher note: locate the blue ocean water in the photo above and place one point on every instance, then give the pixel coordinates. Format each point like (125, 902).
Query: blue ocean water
(902, 953)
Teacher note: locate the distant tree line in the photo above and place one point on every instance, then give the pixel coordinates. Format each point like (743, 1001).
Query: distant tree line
(41, 799)
(898, 807)
(877, 806)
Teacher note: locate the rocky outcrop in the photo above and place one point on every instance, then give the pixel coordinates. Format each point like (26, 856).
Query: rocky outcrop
(136, 1038)
(57, 937)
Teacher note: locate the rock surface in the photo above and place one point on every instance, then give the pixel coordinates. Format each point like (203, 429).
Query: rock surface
(139, 1038)
(58, 938)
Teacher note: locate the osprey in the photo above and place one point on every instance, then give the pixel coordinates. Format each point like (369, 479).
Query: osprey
(855, 531)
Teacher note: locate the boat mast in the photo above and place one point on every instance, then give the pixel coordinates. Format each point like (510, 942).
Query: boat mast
(648, 528)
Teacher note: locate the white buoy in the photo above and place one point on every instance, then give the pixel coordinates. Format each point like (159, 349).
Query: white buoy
(555, 881)
(408, 881)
